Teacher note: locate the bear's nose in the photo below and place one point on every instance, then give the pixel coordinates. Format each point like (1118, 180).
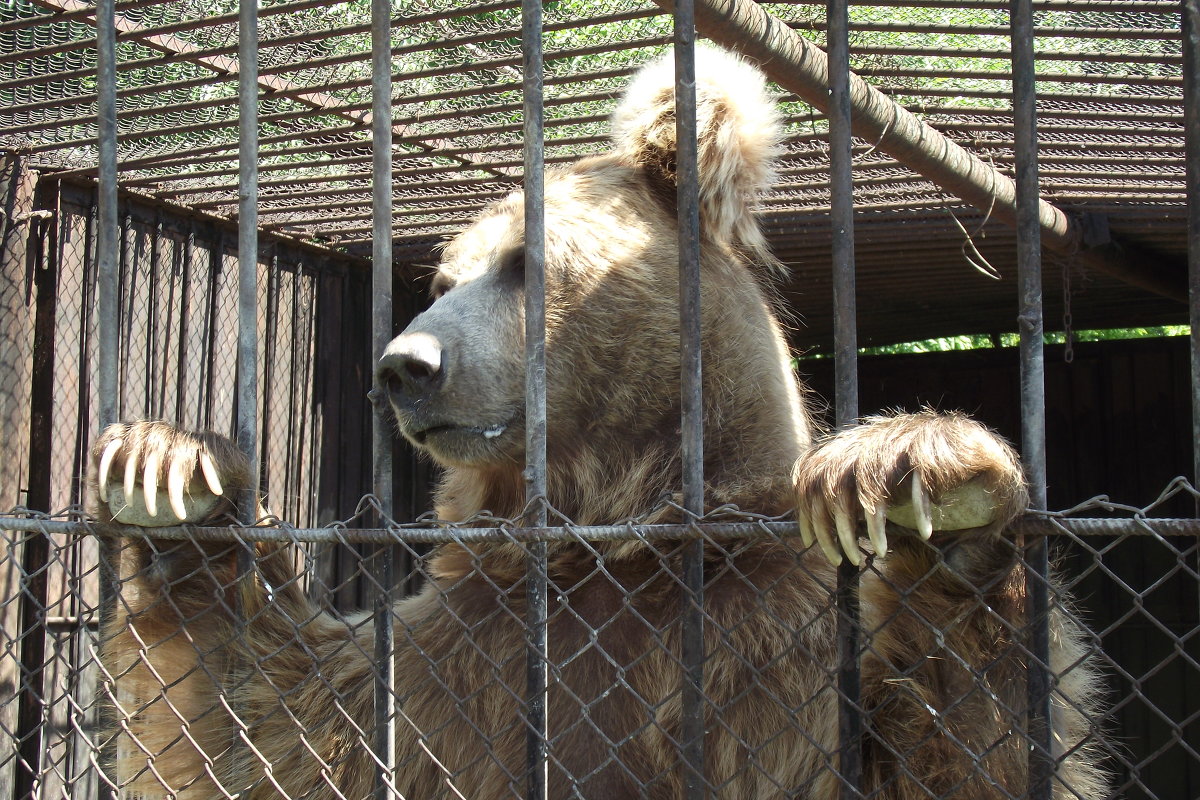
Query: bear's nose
(411, 366)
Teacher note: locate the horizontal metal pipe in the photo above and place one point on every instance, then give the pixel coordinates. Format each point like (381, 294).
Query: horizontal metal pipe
(999, 75)
(396, 198)
(362, 192)
(366, 214)
(221, 153)
(418, 533)
(1107, 57)
(428, 228)
(1058, 32)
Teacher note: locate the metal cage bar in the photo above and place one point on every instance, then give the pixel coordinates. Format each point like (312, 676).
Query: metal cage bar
(1191, 108)
(691, 401)
(801, 67)
(247, 376)
(537, 580)
(1033, 394)
(845, 344)
(108, 275)
(109, 279)
(382, 476)
(247, 299)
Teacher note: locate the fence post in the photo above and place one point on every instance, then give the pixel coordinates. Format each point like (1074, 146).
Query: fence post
(381, 440)
(247, 376)
(1191, 111)
(247, 359)
(691, 400)
(1033, 393)
(108, 278)
(537, 655)
(845, 335)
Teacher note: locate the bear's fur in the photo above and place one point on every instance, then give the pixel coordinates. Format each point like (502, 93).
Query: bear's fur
(245, 688)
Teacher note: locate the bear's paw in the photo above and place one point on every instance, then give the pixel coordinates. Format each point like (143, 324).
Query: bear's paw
(924, 472)
(153, 474)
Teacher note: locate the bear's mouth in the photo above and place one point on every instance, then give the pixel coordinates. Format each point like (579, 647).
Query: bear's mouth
(422, 437)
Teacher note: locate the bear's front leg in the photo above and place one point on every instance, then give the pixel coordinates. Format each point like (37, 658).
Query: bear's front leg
(924, 471)
(945, 655)
(170, 645)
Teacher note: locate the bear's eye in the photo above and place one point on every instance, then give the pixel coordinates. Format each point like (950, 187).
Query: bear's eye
(513, 264)
(439, 287)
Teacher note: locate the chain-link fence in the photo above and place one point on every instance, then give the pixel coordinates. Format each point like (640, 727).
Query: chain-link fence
(266, 689)
(177, 361)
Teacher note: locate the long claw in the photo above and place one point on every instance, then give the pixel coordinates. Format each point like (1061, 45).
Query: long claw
(131, 465)
(875, 529)
(845, 531)
(175, 489)
(211, 477)
(106, 460)
(806, 529)
(825, 539)
(921, 509)
(150, 483)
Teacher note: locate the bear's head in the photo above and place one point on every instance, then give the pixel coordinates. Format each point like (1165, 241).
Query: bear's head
(455, 378)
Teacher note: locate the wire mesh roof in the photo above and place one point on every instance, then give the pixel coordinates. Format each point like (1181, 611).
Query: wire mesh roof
(1110, 120)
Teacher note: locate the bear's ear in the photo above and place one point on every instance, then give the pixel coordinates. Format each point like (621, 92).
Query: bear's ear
(738, 133)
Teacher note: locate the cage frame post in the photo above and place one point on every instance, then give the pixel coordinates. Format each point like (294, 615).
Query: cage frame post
(246, 421)
(247, 360)
(1191, 111)
(692, 653)
(1033, 396)
(107, 293)
(108, 277)
(384, 742)
(536, 578)
(845, 344)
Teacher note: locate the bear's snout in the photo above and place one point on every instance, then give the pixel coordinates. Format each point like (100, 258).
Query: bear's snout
(412, 367)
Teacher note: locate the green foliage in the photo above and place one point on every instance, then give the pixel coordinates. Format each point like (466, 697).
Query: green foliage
(984, 341)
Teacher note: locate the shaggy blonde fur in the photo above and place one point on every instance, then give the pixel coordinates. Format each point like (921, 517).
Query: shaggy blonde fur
(243, 688)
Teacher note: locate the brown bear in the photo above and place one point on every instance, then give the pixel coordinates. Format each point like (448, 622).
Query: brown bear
(245, 688)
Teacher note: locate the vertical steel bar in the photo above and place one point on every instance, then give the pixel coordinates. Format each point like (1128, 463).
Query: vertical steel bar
(247, 361)
(1191, 110)
(108, 243)
(691, 399)
(845, 361)
(537, 663)
(153, 331)
(247, 377)
(1033, 391)
(381, 441)
(108, 289)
